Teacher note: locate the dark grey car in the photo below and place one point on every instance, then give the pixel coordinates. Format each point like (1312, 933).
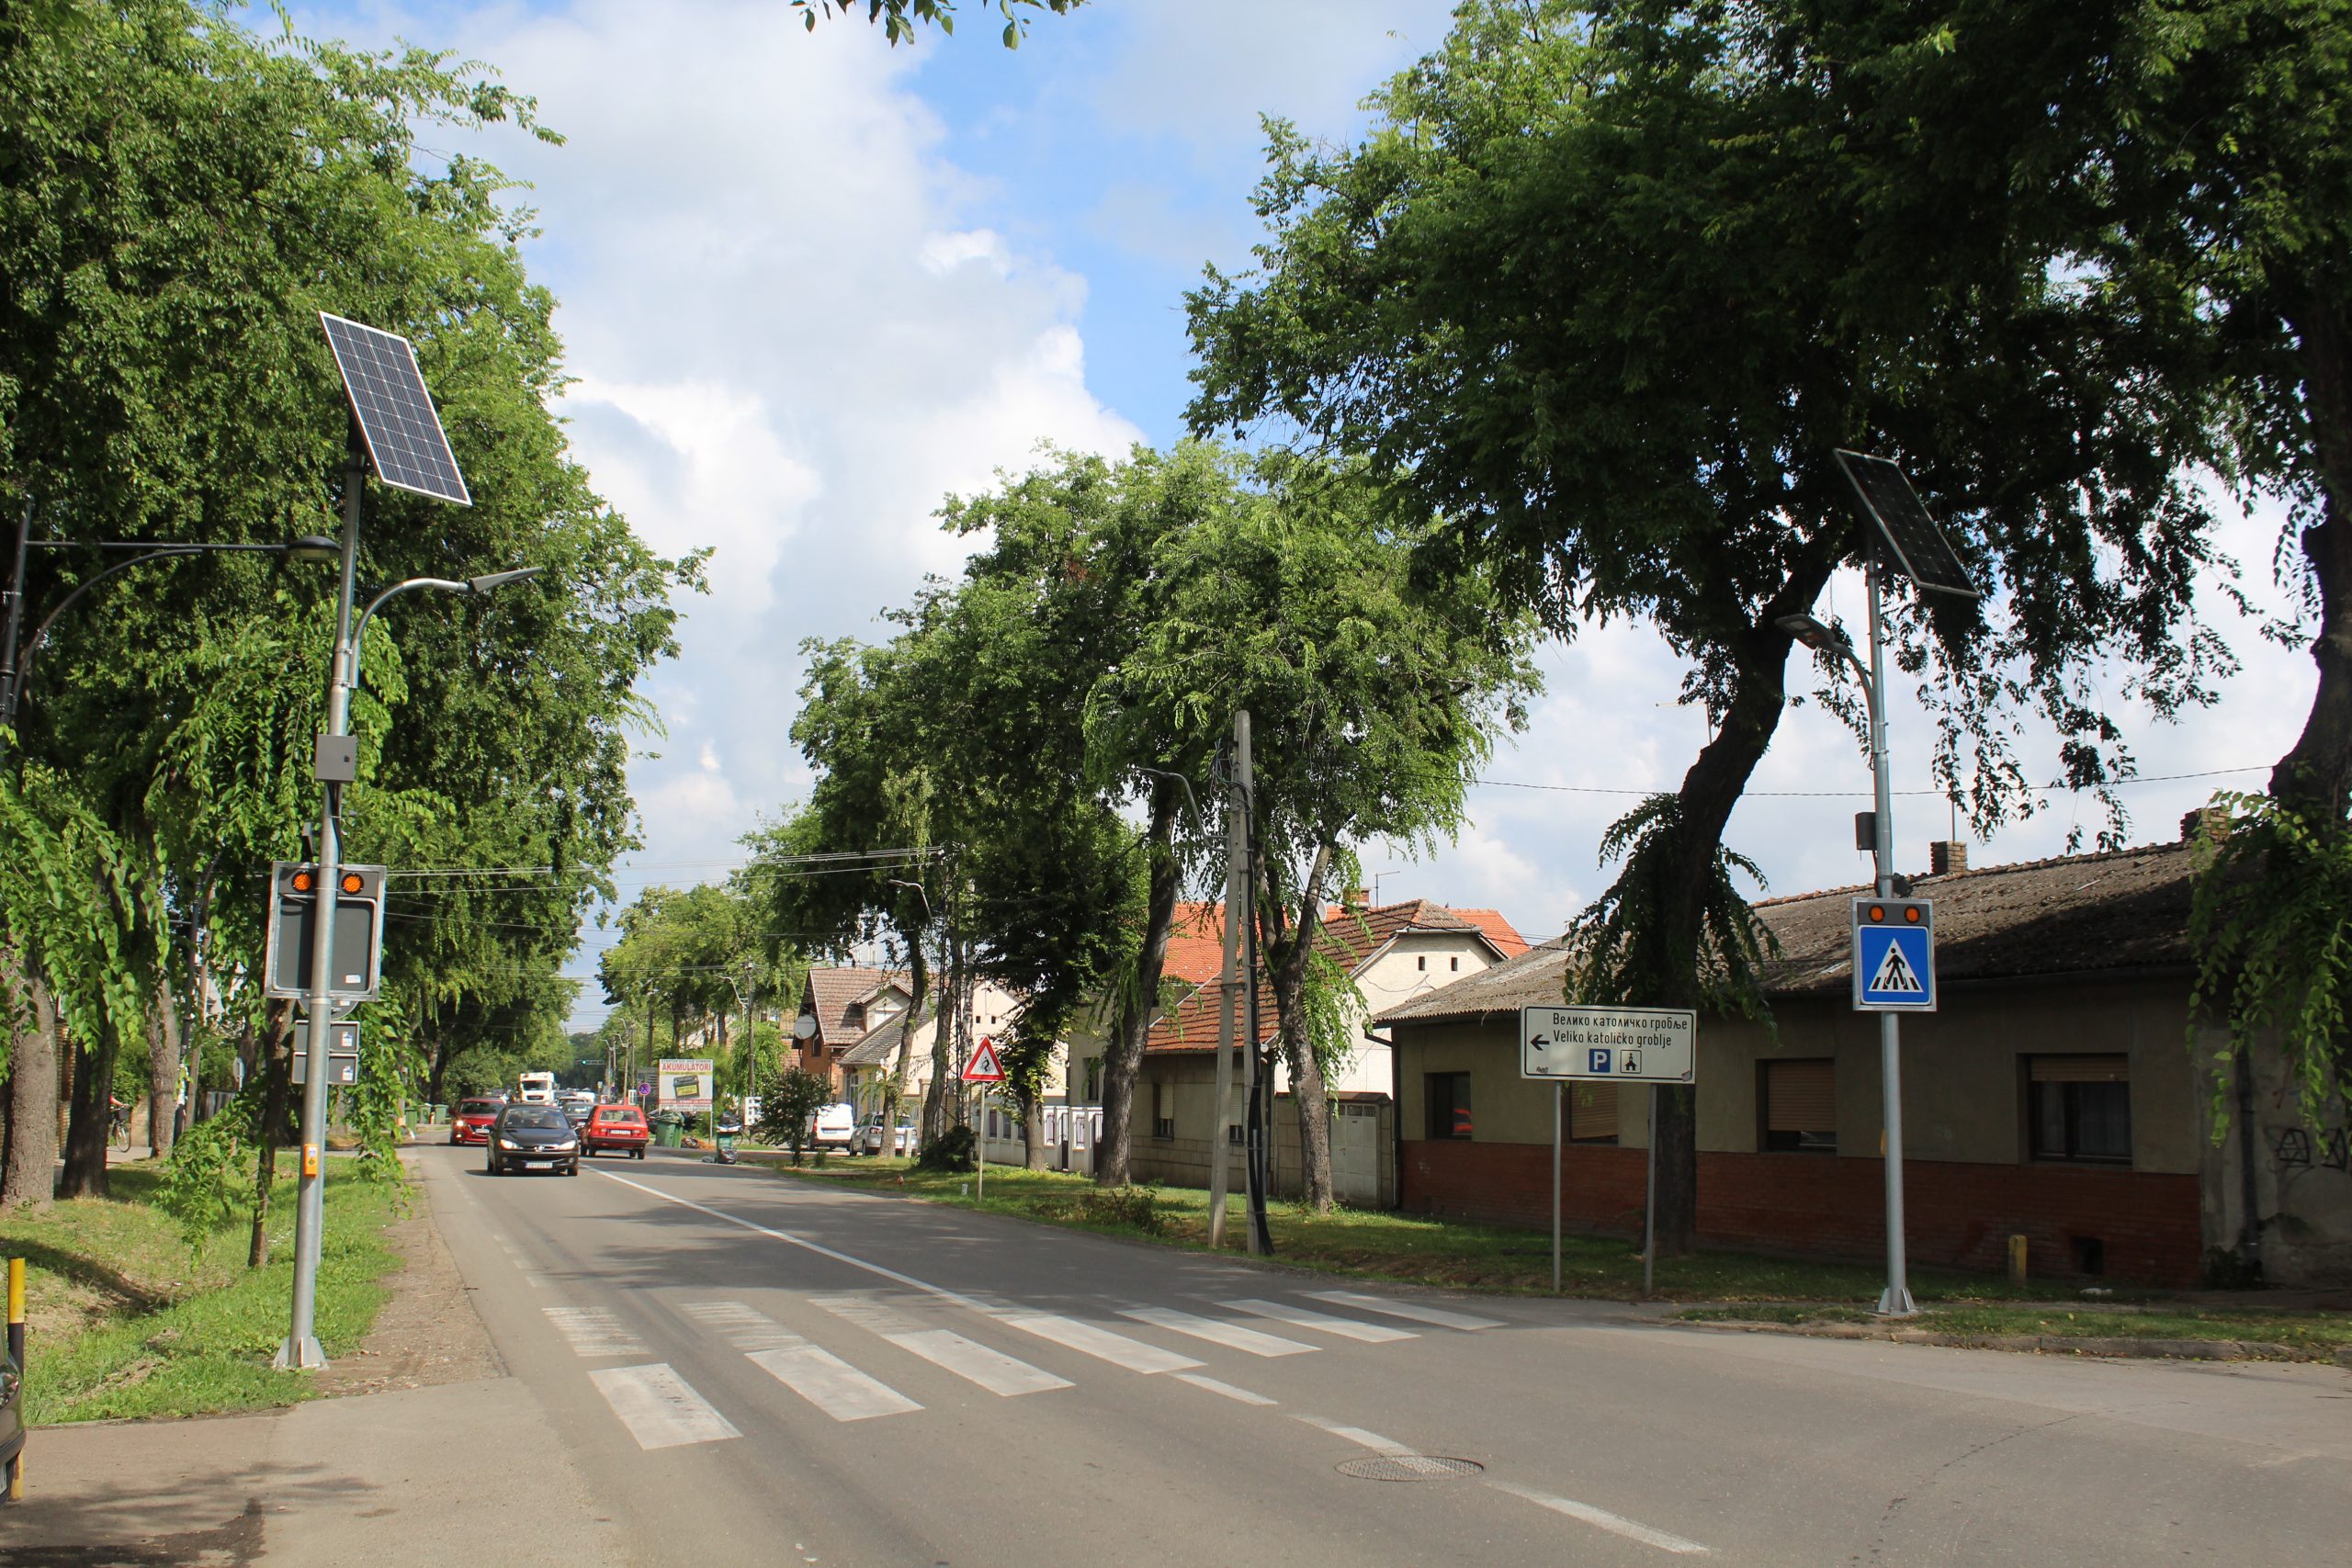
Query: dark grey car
(525, 1136)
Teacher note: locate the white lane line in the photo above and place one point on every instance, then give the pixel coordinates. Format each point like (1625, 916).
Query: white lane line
(1232, 1336)
(658, 1408)
(742, 1326)
(1357, 1434)
(1616, 1524)
(1409, 1309)
(1100, 1343)
(831, 1385)
(592, 1333)
(1227, 1389)
(1303, 1317)
(975, 1363)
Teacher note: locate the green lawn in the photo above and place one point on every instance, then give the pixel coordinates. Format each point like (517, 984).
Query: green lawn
(1411, 1248)
(122, 1320)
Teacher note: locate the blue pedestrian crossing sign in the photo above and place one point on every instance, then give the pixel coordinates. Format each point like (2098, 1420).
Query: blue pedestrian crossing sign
(1895, 956)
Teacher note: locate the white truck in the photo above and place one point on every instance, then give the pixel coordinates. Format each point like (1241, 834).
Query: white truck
(537, 1088)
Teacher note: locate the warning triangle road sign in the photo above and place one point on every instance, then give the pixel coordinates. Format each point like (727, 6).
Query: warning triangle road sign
(984, 1067)
(1896, 976)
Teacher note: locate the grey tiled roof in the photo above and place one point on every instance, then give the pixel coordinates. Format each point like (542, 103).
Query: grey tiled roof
(2127, 909)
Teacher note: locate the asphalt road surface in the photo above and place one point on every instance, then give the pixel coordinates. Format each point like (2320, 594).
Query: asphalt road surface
(751, 1370)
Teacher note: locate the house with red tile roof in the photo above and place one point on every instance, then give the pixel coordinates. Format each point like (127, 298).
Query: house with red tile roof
(1394, 953)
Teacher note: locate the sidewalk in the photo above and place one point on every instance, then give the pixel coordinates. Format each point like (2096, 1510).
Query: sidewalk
(427, 1471)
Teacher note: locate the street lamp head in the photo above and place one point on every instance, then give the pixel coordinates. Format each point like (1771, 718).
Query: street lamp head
(489, 581)
(312, 548)
(1811, 632)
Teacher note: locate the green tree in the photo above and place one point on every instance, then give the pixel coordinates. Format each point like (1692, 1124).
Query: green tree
(792, 1101)
(902, 19)
(1605, 291)
(181, 199)
(1372, 700)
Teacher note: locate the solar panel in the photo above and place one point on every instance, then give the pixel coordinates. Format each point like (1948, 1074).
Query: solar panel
(1919, 548)
(396, 419)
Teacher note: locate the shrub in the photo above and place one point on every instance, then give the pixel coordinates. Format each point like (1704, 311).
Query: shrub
(951, 1150)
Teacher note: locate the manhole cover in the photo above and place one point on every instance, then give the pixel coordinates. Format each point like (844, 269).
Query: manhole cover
(1408, 1467)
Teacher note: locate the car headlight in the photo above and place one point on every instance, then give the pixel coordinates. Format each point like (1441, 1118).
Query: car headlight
(567, 1144)
(509, 1144)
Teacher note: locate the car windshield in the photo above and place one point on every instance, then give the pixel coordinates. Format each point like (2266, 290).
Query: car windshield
(478, 1107)
(536, 1117)
(619, 1115)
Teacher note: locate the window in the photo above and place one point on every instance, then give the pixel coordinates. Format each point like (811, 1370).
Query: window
(1093, 1080)
(2079, 1108)
(1455, 964)
(1232, 1133)
(1447, 1096)
(1593, 1113)
(1422, 962)
(1163, 1118)
(1799, 1105)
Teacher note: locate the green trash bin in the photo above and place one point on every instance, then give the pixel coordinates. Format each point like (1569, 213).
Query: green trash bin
(669, 1129)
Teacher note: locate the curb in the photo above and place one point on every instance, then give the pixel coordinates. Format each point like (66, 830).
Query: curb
(2044, 1344)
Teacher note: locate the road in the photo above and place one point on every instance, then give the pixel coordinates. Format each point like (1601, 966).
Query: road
(749, 1369)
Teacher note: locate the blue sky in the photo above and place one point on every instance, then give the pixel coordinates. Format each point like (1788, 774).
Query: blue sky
(811, 284)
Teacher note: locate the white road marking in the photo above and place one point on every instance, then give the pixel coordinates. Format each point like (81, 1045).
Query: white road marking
(1372, 1440)
(1100, 1343)
(855, 1306)
(1409, 1309)
(592, 1333)
(831, 1385)
(658, 1408)
(975, 1363)
(1232, 1336)
(820, 1248)
(745, 1327)
(1227, 1389)
(1303, 1317)
(1616, 1524)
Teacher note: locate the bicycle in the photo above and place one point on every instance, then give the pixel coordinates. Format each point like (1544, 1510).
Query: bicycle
(119, 1125)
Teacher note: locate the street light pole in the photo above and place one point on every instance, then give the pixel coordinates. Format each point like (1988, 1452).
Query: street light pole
(1895, 1300)
(300, 1349)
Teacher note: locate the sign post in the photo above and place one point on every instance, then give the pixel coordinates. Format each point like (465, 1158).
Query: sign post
(1608, 1044)
(1894, 972)
(982, 1069)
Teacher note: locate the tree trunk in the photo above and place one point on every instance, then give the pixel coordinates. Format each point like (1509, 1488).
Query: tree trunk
(2315, 777)
(30, 1178)
(1123, 1053)
(938, 1101)
(1710, 790)
(1033, 1134)
(162, 1068)
(1292, 952)
(91, 1122)
(275, 1058)
(894, 1093)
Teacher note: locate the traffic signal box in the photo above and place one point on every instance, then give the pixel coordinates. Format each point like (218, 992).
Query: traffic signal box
(356, 971)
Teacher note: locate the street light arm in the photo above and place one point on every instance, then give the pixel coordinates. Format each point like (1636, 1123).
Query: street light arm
(481, 584)
(32, 645)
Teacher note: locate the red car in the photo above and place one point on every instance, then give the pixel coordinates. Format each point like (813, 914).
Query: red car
(618, 1127)
(471, 1122)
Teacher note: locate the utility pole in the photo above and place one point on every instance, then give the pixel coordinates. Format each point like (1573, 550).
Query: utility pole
(1237, 872)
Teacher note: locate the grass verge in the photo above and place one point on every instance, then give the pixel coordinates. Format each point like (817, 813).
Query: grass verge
(122, 1320)
(1410, 1248)
(2315, 1329)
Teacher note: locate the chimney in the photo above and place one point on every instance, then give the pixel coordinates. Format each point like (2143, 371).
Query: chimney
(1357, 898)
(2205, 822)
(1946, 856)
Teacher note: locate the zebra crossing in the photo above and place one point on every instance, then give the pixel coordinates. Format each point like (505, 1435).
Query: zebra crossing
(661, 1410)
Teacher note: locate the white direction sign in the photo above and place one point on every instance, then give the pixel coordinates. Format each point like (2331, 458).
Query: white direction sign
(1614, 1043)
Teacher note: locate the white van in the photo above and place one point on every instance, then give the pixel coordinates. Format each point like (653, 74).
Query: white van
(539, 1088)
(836, 1125)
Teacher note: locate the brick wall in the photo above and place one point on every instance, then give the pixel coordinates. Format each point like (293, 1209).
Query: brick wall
(1960, 1215)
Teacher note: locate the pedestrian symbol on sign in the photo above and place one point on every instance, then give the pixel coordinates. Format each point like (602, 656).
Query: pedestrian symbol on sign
(1896, 976)
(1599, 1060)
